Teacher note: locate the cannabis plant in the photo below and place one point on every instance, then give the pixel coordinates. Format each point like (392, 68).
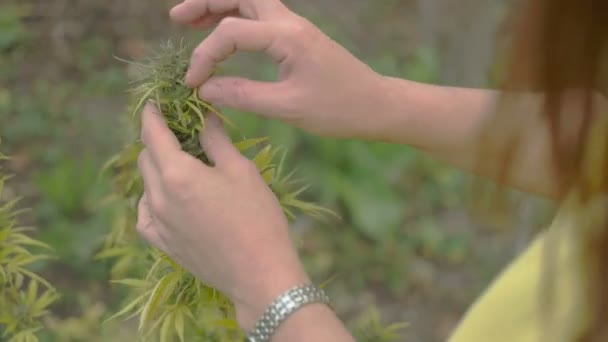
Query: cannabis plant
(169, 301)
(368, 328)
(24, 295)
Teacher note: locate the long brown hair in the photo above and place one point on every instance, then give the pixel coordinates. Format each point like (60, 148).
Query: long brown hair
(560, 46)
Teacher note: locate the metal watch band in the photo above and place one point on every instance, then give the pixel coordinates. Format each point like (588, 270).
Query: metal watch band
(282, 307)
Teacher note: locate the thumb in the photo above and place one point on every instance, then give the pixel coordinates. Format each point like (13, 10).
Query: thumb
(216, 143)
(265, 98)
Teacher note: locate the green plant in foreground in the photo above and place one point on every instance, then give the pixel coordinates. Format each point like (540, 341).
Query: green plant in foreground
(24, 295)
(169, 301)
(368, 328)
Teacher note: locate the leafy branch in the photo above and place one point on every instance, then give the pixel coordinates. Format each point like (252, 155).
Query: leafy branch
(170, 302)
(24, 295)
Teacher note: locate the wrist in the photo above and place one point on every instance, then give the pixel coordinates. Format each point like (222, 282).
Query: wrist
(407, 108)
(383, 110)
(252, 303)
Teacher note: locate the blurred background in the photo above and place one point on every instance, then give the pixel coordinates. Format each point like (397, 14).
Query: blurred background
(406, 247)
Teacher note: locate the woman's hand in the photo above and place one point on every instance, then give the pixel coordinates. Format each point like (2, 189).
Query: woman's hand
(321, 88)
(221, 223)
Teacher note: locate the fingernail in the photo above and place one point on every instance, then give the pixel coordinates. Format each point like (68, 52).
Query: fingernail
(188, 79)
(151, 107)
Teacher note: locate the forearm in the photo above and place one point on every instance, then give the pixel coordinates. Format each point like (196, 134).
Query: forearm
(449, 124)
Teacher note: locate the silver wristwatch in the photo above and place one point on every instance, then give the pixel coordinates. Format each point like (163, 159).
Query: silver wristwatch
(282, 307)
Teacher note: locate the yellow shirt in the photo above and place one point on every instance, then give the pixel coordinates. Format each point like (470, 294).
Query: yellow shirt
(511, 309)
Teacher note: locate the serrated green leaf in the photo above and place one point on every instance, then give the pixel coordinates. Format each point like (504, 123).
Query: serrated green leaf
(179, 324)
(44, 301)
(32, 292)
(4, 233)
(28, 335)
(137, 283)
(129, 307)
(268, 175)
(263, 159)
(34, 276)
(28, 259)
(160, 293)
(165, 329)
(215, 111)
(174, 290)
(298, 192)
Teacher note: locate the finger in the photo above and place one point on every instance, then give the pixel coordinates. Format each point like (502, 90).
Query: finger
(146, 226)
(149, 173)
(265, 98)
(231, 35)
(216, 143)
(144, 215)
(191, 10)
(153, 237)
(160, 142)
(208, 21)
(195, 12)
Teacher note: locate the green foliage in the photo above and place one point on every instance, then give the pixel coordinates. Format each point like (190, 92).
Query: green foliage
(66, 186)
(86, 326)
(421, 66)
(12, 30)
(168, 300)
(70, 193)
(52, 111)
(369, 328)
(34, 119)
(354, 175)
(24, 296)
(172, 303)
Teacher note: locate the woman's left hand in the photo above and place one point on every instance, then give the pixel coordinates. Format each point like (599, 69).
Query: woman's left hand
(221, 223)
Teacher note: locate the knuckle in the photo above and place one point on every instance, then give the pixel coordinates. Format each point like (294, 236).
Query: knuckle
(293, 101)
(200, 53)
(143, 229)
(140, 227)
(174, 178)
(146, 231)
(297, 30)
(237, 92)
(299, 36)
(157, 205)
(226, 26)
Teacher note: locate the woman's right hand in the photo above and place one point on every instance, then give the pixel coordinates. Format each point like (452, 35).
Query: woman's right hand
(321, 87)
